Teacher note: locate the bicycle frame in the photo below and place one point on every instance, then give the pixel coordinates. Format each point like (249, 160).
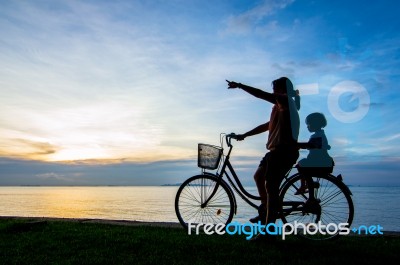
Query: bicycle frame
(235, 181)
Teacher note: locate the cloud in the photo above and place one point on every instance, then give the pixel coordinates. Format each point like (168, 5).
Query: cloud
(391, 137)
(369, 170)
(82, 78)
(93, 84)
(136, 81)
(52, 178)
(244, 23)
(28, 172)
(372, 171)
(39, 148)
(26, 148)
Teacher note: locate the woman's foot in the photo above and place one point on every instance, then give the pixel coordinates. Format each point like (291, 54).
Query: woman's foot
(262, 215)
(301, 190)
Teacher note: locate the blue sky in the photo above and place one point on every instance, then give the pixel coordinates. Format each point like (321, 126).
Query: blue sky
(121, 92)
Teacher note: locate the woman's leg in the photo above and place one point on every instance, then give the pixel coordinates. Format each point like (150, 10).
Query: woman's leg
(259, 178)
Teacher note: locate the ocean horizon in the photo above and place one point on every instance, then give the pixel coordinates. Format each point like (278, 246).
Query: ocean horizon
(374, 205)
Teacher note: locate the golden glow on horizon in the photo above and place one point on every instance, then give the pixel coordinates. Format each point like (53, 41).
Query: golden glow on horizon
(86, 150)
(104, 132)
(99, 155)
(110, 130)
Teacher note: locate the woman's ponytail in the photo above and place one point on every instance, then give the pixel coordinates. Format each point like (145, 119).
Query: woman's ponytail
(297, 99)
(292, 93)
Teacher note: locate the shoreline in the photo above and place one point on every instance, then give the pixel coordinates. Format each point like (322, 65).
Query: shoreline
(94, 221)
(133, 223)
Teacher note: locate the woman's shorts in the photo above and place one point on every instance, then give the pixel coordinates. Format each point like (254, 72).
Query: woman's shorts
(278, 162)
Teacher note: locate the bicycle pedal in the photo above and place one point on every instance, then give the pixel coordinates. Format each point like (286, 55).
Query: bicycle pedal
(312, 206)
(316, 185)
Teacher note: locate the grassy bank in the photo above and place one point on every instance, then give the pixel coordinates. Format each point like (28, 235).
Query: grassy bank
(62, 242)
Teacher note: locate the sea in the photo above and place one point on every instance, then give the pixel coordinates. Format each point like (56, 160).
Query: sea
(373, 205)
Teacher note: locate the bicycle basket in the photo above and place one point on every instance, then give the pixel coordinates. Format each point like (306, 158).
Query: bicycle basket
(209, 156)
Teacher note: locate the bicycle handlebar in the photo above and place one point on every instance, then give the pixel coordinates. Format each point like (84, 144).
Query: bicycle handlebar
(229, 137)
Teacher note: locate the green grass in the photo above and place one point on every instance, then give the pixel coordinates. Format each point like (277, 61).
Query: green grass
(60, 242)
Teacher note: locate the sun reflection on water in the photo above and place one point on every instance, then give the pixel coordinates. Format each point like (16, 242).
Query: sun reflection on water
(127, 203)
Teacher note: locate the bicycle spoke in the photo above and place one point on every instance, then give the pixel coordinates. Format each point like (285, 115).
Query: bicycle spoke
(192, 195)
(334, 204)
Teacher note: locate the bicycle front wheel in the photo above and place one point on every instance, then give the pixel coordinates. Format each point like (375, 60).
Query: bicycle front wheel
(192, 195)
(332, 208)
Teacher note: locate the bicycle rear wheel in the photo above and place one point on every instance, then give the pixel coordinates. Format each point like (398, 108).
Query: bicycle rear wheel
(190, 198)
(333, 206)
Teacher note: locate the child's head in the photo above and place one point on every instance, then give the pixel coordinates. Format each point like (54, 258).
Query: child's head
(315, 121)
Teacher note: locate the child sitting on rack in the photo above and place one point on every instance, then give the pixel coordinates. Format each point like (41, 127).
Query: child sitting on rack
(318, 156)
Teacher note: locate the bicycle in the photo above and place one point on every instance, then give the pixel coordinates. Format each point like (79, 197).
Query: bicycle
(208, 198)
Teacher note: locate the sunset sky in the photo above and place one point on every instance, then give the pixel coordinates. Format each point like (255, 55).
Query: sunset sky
(121, 92)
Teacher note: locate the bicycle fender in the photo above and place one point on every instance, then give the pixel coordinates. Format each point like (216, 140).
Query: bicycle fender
(340, 178)
(283, 184)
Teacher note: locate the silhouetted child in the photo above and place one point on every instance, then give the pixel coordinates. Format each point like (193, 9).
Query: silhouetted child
(318, 156)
